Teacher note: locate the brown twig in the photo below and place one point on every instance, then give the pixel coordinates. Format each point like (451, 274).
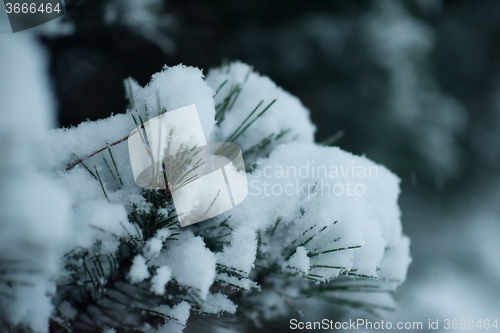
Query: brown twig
(75, 163)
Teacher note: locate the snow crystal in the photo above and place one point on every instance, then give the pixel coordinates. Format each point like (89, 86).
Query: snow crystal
(139, 270)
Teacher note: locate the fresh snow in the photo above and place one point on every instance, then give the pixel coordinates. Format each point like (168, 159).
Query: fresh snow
(160, 280)
(139, 270)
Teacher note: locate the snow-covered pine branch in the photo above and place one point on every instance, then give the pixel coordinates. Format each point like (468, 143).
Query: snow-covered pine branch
(129, 265)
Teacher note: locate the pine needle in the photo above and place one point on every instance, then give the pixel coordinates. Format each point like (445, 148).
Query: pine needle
(236, 136)
(100, 182)
(334, 250)
(116, 168)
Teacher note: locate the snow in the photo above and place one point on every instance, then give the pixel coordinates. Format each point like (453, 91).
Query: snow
(161, 278)
(139, 270)
(153, 247)
(240, 255)
(34, 211)
(179, 311)
(218, 303)
(396, 260)
(98, 216)
(163, 233)
(170, 327)
(100, 220)
(242, 283)
(193, 264)
(176, 87)
(23, 62)
(299, 261)
(361, 197)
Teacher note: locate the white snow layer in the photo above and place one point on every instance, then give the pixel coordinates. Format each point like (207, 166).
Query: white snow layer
(314, 187)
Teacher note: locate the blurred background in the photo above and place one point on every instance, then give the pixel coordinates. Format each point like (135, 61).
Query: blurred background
(412, 84)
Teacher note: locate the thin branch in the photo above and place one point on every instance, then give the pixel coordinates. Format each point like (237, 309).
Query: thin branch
(75, 163)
